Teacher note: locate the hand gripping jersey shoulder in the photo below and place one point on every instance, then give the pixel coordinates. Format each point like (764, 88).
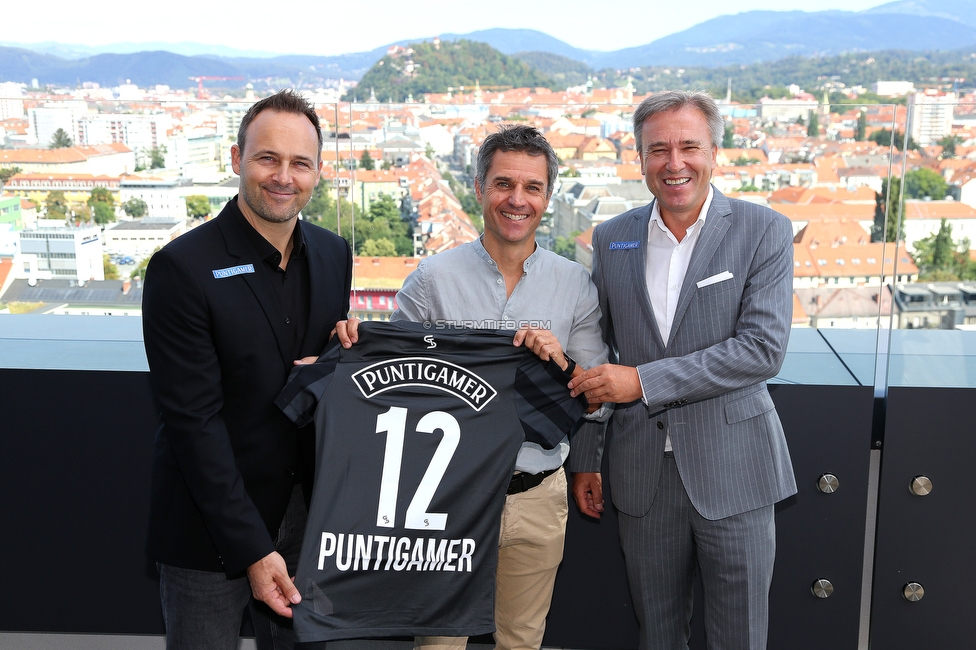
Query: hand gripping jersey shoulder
(417, 431)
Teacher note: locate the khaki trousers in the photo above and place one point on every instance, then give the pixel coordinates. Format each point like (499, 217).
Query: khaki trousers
(530, 548)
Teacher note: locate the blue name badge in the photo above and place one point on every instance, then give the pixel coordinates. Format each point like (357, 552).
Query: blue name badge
(623, 245)
(232, 271)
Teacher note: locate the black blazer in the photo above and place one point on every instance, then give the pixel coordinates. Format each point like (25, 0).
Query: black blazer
(226, 458)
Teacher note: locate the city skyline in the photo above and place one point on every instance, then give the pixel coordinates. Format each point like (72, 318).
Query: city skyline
(248, 28)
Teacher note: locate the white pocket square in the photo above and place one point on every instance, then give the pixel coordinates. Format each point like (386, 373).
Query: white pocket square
(718, 277)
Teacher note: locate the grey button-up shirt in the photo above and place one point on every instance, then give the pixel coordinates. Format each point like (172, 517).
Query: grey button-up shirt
(463, 287)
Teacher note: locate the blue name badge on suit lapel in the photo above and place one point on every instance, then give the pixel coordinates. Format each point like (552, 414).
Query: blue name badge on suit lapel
(624, 245)
(232, 271)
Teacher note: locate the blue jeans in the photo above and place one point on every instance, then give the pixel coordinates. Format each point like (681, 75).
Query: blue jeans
(202, 610)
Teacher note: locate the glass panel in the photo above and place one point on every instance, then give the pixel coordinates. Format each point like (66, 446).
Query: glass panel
(933, 283)
(422, 156)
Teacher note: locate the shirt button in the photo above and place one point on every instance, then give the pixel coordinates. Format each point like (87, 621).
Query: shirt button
(674, 287)
(660, 425)
(498, 281)
(287, 321)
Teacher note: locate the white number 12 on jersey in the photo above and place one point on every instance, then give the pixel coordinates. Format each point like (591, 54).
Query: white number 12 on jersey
(394, 424)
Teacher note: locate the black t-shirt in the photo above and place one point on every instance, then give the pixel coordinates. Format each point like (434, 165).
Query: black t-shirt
(417, 432)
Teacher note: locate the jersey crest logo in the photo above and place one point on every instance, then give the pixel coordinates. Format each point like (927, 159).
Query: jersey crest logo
(429, 339)
(424, 371)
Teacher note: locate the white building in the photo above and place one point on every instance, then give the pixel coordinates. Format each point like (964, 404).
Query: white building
(892, 88)
(162, 196)
(140, 237)
(45, 120)
(139, 132)
(786, 109)
(65, 253)
(930, 116)
(10, 103)
(203, 157)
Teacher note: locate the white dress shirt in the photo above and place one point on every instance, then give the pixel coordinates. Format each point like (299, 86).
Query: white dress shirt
(667, 263)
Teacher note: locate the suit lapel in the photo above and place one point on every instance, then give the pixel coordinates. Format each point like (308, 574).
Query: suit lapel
(717, 223)
(239, 248)
(639, 271)
(318, 272)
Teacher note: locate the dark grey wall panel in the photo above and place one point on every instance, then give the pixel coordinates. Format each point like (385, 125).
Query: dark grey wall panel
(74, 493)
(927, 539)
(820, 535)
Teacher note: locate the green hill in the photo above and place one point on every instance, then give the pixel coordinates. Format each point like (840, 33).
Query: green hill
(749, 83)
(424, 68)
(563, 70)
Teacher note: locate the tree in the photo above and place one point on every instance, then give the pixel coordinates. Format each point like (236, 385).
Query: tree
(197, 205)
(102, 213)
(925, 183)
(813, 126)
(382, 247)
(111, 271)
(919, 184)
(884, 138)
(61, 139)
(566, 246)
(429, 151)
(366, 161)
(743, 161)
(948, 145)
(135, 208)
(728, 138)
(7, 173)
(321, 207)
(101, 205)
(862, 126)
(157, 157)
(939, 258)
(383, 207)
(887, 204)
(56, 205)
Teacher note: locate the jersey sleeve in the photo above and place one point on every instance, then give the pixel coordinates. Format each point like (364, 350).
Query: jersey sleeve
(306, 386)
(545, 408)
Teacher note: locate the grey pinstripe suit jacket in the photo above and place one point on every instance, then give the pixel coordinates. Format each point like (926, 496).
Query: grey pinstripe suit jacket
(706, 386)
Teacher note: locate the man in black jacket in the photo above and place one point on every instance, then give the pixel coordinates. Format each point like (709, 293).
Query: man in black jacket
(227, 309)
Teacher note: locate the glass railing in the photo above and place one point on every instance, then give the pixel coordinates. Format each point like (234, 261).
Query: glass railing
(884, 282)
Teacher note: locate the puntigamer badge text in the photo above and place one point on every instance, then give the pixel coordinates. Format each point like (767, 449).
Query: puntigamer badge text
(424, 371)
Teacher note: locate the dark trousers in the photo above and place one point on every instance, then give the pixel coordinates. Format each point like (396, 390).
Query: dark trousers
(203, 609)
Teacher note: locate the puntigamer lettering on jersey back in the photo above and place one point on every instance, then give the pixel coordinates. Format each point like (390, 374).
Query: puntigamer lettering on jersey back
(355, 552)
(424, 371)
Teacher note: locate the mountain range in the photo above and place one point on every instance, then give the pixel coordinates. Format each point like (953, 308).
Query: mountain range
(739, 39)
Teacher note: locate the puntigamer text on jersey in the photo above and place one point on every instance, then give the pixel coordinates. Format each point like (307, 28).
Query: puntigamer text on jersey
(355, 552)
(424, 371)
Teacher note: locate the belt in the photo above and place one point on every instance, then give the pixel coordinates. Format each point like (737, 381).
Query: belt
(522, 481)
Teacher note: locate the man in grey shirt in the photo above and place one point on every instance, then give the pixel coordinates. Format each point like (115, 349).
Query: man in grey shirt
(505, 281)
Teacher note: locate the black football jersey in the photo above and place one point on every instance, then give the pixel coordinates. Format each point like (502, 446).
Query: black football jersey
(417, 431)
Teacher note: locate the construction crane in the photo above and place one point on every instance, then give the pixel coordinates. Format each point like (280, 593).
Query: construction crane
(201, 94)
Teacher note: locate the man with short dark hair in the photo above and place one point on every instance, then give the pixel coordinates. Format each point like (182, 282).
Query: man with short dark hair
(505, 281)
(696, 295)
(227, 309)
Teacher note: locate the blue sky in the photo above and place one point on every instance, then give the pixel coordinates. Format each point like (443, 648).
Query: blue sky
(326, 27)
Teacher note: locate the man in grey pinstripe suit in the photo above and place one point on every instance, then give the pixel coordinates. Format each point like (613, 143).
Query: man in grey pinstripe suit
(696, 295)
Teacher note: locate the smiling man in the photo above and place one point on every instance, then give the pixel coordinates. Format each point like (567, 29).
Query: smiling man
(227, 308)
(505, 281)
(696, 296)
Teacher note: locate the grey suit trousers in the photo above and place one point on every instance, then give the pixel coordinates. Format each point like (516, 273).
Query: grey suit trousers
(734, 556)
